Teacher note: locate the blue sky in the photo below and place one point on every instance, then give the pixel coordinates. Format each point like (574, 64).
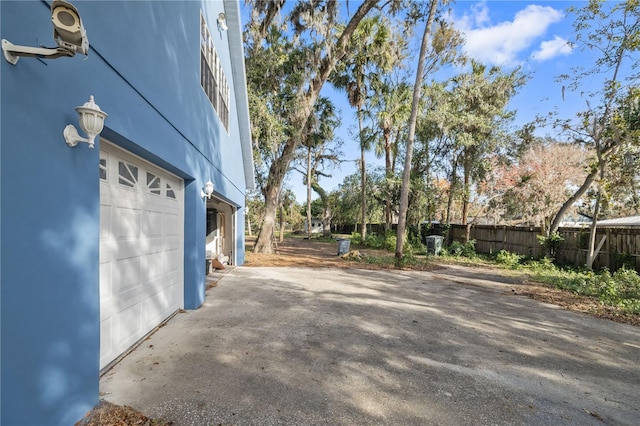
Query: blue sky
(529, 34)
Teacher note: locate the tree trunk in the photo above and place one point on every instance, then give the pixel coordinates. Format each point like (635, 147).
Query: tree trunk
(389, 174)
(603, 156)
(465, 198)
(571, 201)
(452, 186)
(309, 191)
(277, 173)
(406, 175)
(596, 208)
(281, 238)
(592, 233)
(326, 221)
(363, 171)
(326, 209)
(265, 236)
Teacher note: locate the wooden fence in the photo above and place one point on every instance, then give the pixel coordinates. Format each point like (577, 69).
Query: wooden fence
(618, 245)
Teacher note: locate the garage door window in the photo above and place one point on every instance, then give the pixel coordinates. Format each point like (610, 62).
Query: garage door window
(153, 183)
(103, 169)
(127, 174)
(170, 193)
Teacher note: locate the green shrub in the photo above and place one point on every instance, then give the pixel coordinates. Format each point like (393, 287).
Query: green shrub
(544, 264)
(414, 239)
(458, 249)
(455, 249)
(381, 242)
(624, 284)
(469, 249)
(625, 260)
(551, 243)
(512, 260)
(390, 241)
(621, 289)
(609, 292)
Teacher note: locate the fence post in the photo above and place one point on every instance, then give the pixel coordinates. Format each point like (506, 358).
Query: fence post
(610, 251)
(504, 238)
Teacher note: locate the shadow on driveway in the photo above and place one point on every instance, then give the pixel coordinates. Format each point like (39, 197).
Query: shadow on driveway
(345, 346)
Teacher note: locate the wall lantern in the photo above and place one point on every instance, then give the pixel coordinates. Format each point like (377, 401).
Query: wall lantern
(68, 33)
(91, 119)
(208, 190)
(222, 22)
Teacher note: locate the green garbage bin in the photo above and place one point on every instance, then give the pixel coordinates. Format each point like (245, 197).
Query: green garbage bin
(434, 244)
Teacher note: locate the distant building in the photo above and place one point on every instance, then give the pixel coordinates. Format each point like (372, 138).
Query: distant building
(620, 222)
(316, 226)
(579, 220)
(575, 220)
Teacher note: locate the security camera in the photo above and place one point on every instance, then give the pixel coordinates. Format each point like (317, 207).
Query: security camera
(68, 33)
(222, 22)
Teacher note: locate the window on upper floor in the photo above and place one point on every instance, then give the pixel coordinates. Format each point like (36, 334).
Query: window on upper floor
(212, 78)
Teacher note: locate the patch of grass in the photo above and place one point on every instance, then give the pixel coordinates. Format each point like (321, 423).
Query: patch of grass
(387, 242)
(325, 239)
(620, 289)
(383, 261)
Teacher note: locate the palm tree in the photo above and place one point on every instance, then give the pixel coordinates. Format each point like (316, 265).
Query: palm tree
(372, 44)
(389, 110)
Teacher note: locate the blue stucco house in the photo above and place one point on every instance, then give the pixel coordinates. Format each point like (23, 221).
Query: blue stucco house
(101, 245)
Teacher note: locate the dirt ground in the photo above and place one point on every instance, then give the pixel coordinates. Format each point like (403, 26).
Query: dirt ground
(297, 251)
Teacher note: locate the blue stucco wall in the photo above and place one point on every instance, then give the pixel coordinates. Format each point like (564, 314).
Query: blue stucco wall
(143, 69)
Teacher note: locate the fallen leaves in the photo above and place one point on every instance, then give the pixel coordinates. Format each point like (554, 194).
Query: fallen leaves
(108, 414)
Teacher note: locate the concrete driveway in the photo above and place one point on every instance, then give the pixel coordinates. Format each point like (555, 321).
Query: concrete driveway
(300, 346)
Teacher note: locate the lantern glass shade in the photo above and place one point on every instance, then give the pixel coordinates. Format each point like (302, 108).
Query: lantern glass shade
(208, 188)
(91, 119)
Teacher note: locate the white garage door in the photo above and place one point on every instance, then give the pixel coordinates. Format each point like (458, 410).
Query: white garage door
(141, 249)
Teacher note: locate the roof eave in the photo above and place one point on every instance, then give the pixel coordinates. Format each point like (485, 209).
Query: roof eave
(236, 49)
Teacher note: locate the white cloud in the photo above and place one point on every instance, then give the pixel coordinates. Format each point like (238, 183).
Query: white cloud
(552, 48)
(501, 44)
(480, 13)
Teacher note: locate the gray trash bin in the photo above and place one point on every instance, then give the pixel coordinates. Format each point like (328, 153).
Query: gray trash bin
(343, 245)
(434, 244)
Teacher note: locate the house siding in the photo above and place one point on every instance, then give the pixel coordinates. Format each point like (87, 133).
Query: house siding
(143, 70)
